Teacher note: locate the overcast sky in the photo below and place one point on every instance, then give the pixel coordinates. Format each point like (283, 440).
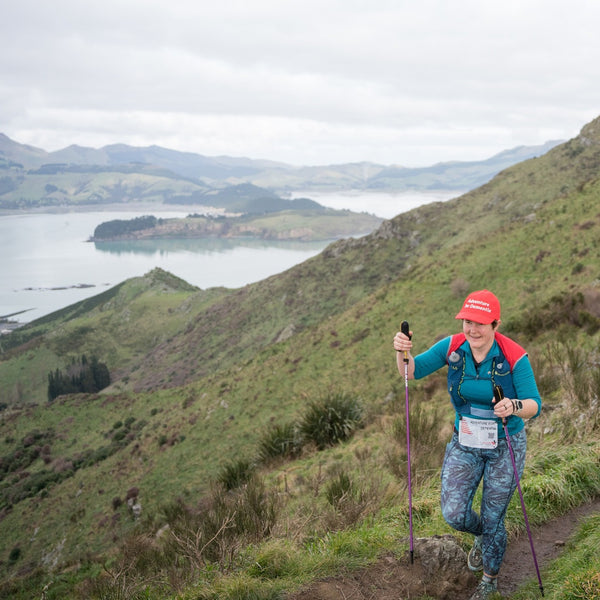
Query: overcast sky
(307, 82)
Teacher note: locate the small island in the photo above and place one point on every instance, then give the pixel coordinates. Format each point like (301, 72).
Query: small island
(310, 225)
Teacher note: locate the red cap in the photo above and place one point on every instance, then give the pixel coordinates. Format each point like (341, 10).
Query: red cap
(480, 307)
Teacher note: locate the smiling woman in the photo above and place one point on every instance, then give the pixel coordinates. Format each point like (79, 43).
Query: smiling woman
(480, 361)
(480, 337)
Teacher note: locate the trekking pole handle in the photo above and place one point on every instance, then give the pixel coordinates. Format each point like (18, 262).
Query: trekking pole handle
(405, 329)
(498, 396)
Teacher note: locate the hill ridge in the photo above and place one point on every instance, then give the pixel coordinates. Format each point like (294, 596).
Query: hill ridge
(217, 369)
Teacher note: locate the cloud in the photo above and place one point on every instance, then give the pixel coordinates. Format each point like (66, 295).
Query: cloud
(307, 82)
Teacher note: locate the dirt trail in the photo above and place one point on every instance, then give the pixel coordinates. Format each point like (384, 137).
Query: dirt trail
(548, 541)
(396, 579)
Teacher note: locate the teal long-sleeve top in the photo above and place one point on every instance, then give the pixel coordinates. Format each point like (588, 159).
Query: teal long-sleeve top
(477, 386)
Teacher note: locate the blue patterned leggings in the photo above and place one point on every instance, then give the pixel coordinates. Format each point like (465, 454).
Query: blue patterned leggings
(462, 471)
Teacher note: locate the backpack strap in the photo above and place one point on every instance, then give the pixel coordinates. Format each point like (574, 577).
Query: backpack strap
(456, 341)
(512, 351)
(501, 372)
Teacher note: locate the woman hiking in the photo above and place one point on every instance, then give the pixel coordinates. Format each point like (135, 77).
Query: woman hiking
(478, 359)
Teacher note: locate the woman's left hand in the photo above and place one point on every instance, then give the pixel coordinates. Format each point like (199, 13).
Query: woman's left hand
(504, 408)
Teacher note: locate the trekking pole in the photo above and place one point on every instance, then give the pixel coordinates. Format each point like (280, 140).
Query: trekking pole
(499, 395)
(404, 328)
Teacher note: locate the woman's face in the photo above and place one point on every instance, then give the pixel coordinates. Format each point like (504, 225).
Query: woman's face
(479, 336)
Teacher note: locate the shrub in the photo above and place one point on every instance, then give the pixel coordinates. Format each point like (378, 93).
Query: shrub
(331, 420)
(119, 435)
(14, 555)
(339, 489)
(255, 511)
(221, 524)
(235, 474)
(281, 441)
(133, 575)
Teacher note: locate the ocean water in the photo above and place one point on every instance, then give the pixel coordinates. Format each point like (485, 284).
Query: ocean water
(47, 263)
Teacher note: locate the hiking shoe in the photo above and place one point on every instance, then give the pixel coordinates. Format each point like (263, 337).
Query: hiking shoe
(485, 590)
(475, 557)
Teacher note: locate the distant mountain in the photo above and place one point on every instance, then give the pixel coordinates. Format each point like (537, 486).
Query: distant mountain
(187, 164)
(455, 175)
(222, 171)
(14, 154)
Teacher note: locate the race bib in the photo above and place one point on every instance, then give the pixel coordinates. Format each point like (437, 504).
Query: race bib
(477, 433)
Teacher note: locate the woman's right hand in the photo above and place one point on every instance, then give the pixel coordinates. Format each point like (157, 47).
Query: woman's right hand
(402, 343)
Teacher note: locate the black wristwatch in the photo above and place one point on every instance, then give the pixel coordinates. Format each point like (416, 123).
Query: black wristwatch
(518, 406)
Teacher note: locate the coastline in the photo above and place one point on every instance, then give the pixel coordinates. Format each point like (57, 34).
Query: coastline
(7, 325)
(114, 207)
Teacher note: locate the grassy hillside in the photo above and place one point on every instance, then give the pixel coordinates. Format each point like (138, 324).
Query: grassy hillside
(59, 185)
(204, 381)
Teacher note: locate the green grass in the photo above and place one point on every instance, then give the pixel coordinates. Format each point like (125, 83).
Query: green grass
(205, 377)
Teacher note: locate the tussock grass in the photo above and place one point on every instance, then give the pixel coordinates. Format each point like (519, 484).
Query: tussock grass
(332, 419)
(280, 441)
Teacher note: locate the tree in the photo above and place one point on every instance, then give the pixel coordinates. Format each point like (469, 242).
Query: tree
(81, 376)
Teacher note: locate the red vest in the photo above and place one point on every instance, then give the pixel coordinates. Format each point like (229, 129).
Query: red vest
(501, 373)
(511, 350)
